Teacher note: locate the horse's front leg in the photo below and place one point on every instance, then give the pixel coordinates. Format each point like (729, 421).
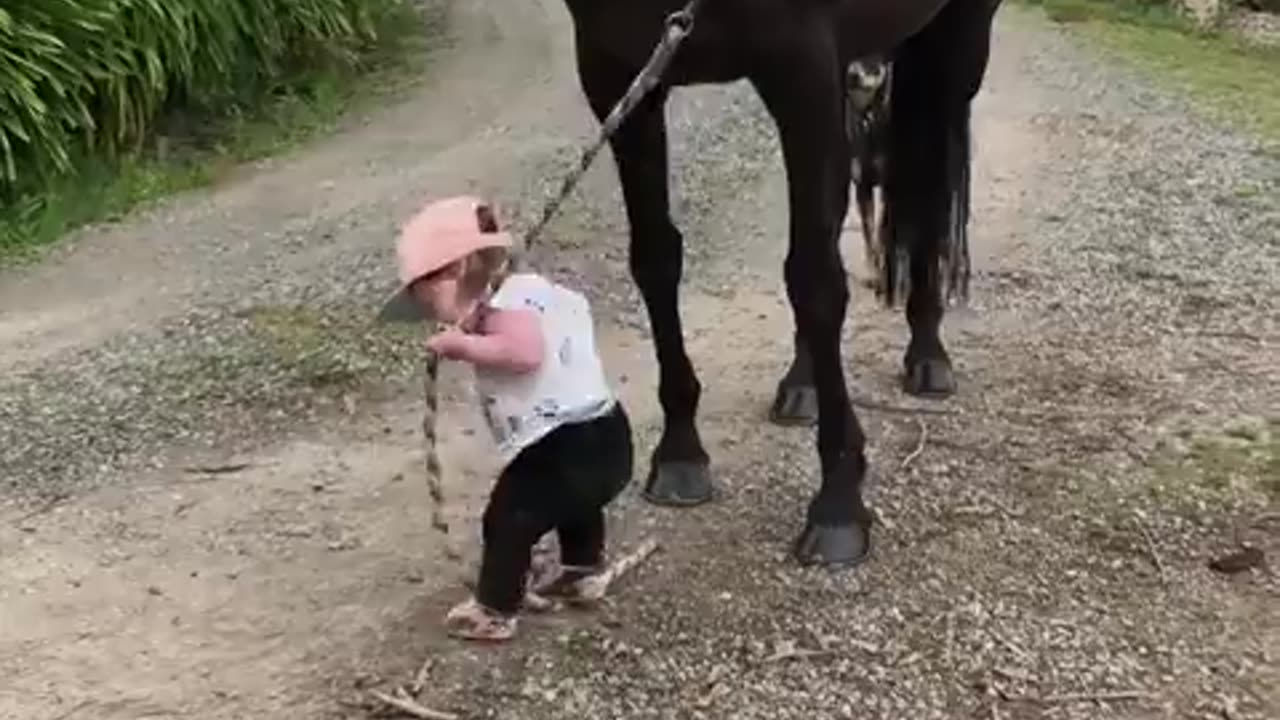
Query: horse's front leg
(679, 472)
(804, 93)
(796, 401)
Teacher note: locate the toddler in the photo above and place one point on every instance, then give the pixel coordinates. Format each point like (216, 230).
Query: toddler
(563, 437)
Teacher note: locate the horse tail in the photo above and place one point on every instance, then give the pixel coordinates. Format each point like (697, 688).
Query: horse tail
(928, 163)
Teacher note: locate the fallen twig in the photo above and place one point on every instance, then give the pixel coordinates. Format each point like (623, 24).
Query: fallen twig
(1012, 674)
(412, 707)
(884, 520)
(1254, 523)
(1012, 646)
(1231, 335)
(46, 507)
(1063, 412)
(869, 404)
(420, 678)
(924, 437)
(796, 654)
(594, 587)
(789, 651)
(74, 709)
(1097, 697)
(1151, 548)
(1263, 519)
(1238, 529)
(216, 469)
(951, 636)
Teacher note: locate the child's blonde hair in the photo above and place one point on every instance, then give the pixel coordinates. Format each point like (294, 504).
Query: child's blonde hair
(484, 270)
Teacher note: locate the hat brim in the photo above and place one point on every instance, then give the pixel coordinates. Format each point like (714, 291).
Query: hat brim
(401, 307)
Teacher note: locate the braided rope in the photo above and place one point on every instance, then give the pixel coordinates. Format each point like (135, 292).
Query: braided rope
(678, 26)
(435, 473)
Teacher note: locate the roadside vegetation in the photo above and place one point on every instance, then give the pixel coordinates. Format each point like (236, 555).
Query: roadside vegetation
(107, 104)
(1233, 79)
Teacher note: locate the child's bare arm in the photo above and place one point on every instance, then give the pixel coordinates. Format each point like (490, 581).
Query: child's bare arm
(507, 339)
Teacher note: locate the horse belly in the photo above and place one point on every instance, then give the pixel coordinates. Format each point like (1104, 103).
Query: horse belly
(879, 26)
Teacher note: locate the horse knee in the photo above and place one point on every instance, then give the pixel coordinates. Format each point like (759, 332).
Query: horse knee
(656, 257)
(817, 286)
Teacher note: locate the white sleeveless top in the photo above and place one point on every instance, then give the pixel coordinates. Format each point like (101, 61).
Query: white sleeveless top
(570, 385)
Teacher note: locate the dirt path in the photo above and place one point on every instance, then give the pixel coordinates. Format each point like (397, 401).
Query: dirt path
(1049, 538)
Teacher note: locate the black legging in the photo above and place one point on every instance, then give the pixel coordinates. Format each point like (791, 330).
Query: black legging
(562, 483)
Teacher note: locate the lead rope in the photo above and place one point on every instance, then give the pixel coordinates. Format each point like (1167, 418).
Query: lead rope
(677, 27)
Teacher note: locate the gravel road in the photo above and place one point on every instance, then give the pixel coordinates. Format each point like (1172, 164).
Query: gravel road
(210, 485)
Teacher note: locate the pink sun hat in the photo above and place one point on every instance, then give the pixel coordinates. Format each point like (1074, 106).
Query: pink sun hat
(440, 233)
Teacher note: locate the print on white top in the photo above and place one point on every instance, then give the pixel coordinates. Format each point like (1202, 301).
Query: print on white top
(570, 386)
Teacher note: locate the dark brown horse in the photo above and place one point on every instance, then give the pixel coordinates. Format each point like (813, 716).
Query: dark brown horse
(795, 54)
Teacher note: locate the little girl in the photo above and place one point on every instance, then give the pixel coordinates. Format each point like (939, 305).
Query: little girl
(562, 435)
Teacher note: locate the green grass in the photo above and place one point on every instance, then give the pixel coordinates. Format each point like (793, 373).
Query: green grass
(317, 347)
(1242, 460)
(1236, 82)
(198, 148)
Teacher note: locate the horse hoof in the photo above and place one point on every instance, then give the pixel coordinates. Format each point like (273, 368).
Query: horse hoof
(794, 405)
(931, 378)
(833, 546)
(679, 483)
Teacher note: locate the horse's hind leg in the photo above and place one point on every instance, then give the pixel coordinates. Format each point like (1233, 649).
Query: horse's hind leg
(865, 193)
(866, 97)
(935, 77)
(803, 91)
(679, 473)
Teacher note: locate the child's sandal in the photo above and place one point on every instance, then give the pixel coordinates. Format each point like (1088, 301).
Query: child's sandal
(472, 621)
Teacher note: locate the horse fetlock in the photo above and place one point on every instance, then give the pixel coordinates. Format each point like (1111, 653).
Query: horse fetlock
(795, 403)
(680, 441)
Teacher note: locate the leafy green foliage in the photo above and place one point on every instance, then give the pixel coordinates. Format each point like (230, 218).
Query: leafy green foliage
(92, 77)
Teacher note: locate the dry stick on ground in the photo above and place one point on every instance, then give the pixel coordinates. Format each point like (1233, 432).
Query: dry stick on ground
(1057, 413)
(224, 469)
(1097, 697)
(420, 679)
(994, 694)
(595, 586)
(951, 636)
(1023, 654)
(1253, 524)
(1232, 335)
(1014, 675)
(790, 651)
(796, 654)
(924, 437)
(46, 507)
(1151, 548)
(869, 404)
(1263, 519)
(412, 707)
